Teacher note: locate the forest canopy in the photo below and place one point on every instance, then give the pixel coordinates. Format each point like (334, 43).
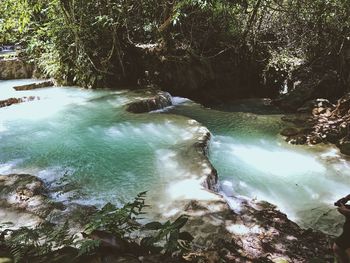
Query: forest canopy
(88, 41)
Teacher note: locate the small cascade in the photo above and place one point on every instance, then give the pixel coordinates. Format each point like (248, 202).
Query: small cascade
(156, 101)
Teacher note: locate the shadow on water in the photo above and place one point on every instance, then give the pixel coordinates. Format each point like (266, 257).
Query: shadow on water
(260, 106)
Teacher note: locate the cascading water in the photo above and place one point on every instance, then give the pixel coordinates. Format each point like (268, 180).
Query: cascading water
(254, 161)
(87, 139)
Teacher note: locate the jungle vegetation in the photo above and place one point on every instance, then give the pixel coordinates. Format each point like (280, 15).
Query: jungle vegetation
(92, 43)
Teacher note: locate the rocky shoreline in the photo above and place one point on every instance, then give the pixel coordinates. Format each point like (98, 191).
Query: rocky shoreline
(319, 121)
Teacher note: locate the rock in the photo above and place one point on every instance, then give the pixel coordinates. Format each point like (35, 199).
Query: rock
(15, 69)
(344, 129)
(297, 139)
(333, 136)
(344, 145)
(289, 131)
(48, 83)
(310, 86)
(11, 101)
(156, 102)
(329, 124)
(24, 192)
(314, 139)
(320, 104)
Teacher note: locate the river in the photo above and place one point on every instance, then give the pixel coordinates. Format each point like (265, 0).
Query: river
(85, 139)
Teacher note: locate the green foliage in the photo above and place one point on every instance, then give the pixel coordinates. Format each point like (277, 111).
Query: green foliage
(39, 243)
(27, 242)
(88, 247)
(118, 221)
(88, 42)
(168, 237)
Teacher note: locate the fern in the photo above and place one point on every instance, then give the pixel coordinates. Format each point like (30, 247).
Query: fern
(25, 244)
(118, 221)
(88, 247)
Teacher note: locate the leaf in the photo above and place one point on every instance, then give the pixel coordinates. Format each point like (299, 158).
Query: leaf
(180, 222)
(147, 242)
(186, 236)
(153, 226)
(88, 246)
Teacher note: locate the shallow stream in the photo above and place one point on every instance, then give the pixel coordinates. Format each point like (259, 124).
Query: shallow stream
(87, 139)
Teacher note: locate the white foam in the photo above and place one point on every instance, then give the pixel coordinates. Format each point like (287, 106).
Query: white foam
(9, 167)
(179, 100)
(281, 163)
(51, 175)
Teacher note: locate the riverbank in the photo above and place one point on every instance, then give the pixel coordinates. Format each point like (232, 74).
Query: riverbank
(320, 121)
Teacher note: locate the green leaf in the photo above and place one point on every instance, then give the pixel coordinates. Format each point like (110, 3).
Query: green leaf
(147, 241)
(180, 222)
(153, 226)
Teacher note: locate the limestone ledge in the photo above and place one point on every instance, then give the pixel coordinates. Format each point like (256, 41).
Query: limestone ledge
(155, 100)
(44, 84)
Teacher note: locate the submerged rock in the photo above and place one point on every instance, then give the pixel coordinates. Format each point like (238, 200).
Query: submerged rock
(32, 86)
(157, 101)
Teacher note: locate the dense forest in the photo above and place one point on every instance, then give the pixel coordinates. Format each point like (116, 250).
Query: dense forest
(290, 59)
(209, 49)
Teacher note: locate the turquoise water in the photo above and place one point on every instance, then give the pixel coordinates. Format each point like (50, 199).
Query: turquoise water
(254, 161)
(86, 139)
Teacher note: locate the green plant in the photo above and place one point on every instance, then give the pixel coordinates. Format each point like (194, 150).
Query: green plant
(118, 221)
(168, 237)
(39, 243)
(25, 242)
